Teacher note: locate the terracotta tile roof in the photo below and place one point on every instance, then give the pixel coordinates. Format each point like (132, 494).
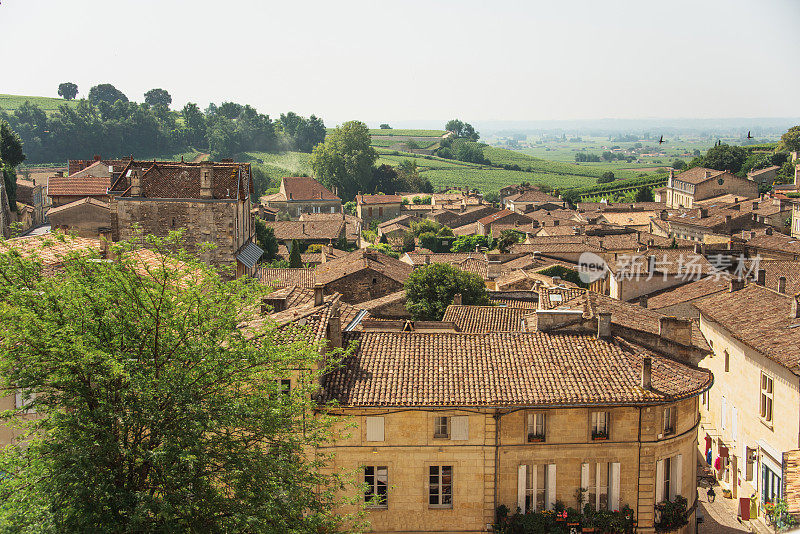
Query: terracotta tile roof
(52, 248)
(688, 292)
(628, 218)
(476, 266)
(626, 314)
(391, 298)
(534, 195)
(669, 261)
(774, 270)
(311, 230)
(467, 229)
(763, 171)
(777, 242)
(760, 318)
(285, 277)
(697, 175)
(500, 215)
(381, 199)
(503, 369)
(78, 187)
(418, 259)
(160, 179)
(363, 259)
(304, 188)
(485, 319)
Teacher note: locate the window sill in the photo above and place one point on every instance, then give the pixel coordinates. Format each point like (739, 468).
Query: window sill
(768, 425)
(377, 508)
(440, 506)
(440, 436)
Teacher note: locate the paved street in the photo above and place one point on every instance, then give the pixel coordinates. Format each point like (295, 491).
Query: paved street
(720, 516)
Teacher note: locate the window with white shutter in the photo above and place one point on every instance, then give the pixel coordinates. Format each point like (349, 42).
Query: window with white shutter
(659, 481)
(613, 486)
(375, 429)
(723, 407)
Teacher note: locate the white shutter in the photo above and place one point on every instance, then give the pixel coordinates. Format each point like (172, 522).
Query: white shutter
(659, 481)
(459, 428)
(19, 402)
(522, 474)
(734, 423)
(534, 485)
(722, 409)
(374, 428)
(613, 491)
(675, 488)
(551, 486)
(585, 484)
(597, 480)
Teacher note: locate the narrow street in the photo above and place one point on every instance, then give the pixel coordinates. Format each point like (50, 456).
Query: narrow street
(720, 517)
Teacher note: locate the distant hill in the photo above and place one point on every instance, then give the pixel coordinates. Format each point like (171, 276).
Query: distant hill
(48, 104)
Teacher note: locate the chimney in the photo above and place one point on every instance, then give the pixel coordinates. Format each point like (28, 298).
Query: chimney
(555, 222)
(647, 372)
(604, 324)
(768, 231)
(675, 329)
(755, 206)
(708, 174)
(761, 277)
(105, 243)
(334, 331)
(457, 299)
(752, 234)
(319, 294)
(664, 215)
(703, 213)
(795, 307)
(643, 301)
(136, 184)
(727, 219)
(698, 248)
(782, 284)
(206, 179)
(736, 284)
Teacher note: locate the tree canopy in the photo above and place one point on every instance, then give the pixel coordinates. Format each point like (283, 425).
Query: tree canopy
(158, 97)
(303, 134)
(791, 139)
(345, 159)
(105, 92)
(725, 158)
(265, 237)
(431, 289)
(156, 410)
(462, 129)
(67, 90)
(11, 155)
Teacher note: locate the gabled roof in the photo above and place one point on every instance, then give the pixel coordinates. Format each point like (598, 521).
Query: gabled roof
(307, 230)
(161, 179)
(698, 175)
(688, 292)
(304, 188)
(485, 319)
(503, 369)
(360, 260)
(380, 199)
(78, 203)
(83, 186)
(287, 277)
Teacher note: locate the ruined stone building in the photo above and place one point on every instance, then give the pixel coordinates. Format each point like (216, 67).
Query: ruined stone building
(211, 202)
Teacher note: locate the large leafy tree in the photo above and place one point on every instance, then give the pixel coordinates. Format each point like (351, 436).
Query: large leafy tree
(345, 159)
(265, 237)
(725, 158)
(462, 130)
(67, 90)
(194, 123)
(105, 92)
(158, 97)
(430, 290)
(791, 139)
(158, 401)
(11, 155)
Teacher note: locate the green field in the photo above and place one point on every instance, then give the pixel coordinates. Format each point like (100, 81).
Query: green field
(409, 133)
(48, 104)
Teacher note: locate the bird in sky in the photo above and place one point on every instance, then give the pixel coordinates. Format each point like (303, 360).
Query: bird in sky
(661, 140)
(748, 135)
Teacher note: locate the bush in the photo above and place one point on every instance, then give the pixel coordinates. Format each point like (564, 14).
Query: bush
(430, 290)
(467, 243)
(672, 515)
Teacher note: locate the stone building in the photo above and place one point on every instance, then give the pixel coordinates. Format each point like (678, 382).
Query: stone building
(65, 189)
(211, 202)
(363, 275)
(380, 207)
(302, 194)
(699, 183)
(749, 420)
(86, 217)
(517, 407)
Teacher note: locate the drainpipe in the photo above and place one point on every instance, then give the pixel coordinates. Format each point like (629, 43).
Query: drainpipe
(497, 420)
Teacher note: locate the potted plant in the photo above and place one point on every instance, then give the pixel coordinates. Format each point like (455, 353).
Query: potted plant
(534, 438)
(599, 435)
(672, 515)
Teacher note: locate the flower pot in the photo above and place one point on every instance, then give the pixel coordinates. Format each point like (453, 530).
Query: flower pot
(600, 438)
(587, 529)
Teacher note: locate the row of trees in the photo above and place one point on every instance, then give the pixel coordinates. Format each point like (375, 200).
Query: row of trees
(11, 155)
(109, 123)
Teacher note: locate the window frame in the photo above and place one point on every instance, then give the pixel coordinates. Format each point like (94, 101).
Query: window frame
(669, 420)
(440, 485)
(532, 494)
(372, 488)
(437, 426)
(531, 420)
(766, 410)
(726, 361)
(596, 433)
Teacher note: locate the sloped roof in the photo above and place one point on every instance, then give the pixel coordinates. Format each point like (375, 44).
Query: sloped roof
(484, 319)
(688, 292)
(307, 230)
(363, 259)
(697, 175)
(78, 203)
(503, 369)
(83, 186)
(304, 188)
(380, 199)
(285, 277)
(160, 179)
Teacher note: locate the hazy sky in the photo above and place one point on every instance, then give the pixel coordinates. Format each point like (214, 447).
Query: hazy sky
(407, 60)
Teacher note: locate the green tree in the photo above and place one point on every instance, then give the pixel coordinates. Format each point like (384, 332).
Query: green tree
(158, 97)
(265, 237)
(385, 126)
(508, 238)
(156, 410)
(607, 177)
(345, 159)
(430, 289)
(194, 123)
(644, 194)
(725, 158)
(67, 90)
(294, 255)
(11, 155)
(105, 92)
(408, 243)
(462, 130)
(679, 165)
(425, 225)
(791, 139)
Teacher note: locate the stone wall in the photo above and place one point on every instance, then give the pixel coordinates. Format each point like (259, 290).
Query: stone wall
(363, 285)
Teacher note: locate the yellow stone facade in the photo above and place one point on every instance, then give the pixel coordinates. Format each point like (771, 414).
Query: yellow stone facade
(486, 464)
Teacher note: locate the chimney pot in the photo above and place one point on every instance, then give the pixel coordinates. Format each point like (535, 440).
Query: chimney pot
(319, 294)
(457, 299)
(736, 284)
(782, 284)
(647, 372)
(768, 231)
(675, 329)
(796, 307)
(643, 301)
(761, 277)
(755, 206)
(604, 324)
